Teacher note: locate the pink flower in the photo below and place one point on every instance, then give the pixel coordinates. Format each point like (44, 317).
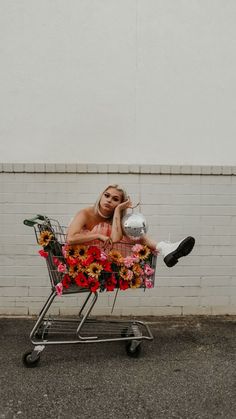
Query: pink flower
(103, 256)
(43, 253)
(148, 283)
(64, 249)
(59, 289)
(61, 267)
(130, 260)
(148, 270)
(137, 247)
(55, 261)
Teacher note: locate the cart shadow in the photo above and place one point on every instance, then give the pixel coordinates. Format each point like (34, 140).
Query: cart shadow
(164, 346)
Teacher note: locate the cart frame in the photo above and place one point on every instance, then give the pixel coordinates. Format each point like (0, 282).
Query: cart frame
(83, 329)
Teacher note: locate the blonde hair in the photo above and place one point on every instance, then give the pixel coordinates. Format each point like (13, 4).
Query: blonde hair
(124, 197)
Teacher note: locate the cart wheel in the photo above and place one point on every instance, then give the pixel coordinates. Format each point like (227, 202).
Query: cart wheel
(28, 361)
(133, 352)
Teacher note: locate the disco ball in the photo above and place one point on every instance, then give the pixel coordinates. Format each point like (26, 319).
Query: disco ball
(134, 225)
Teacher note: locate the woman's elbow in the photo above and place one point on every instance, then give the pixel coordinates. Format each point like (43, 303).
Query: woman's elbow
(116, 238)
(69, 239)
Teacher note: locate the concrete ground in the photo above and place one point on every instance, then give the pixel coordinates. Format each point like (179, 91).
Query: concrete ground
(187, 371)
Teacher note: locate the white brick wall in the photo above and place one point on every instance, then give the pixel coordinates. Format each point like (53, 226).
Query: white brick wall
(177, 201)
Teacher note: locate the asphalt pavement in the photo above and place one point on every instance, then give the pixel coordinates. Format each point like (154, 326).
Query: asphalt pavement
(187, 371)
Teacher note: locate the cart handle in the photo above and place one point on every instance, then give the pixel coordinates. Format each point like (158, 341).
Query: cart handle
(30, 222)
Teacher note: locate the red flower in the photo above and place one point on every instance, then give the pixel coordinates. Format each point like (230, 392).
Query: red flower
(123, 284)
(93, 284)
(87, 261)
(71, 261)
(110, 283)
(43, 253)
(66, 281)
(94, 251)
(81, 280)
(106, 266)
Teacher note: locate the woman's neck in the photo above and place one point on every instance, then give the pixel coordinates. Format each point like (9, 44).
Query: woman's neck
(106, 217)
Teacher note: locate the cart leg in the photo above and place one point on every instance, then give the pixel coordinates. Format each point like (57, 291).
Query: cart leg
(88, 311)
(84, 305)
(42, 314)
(45, 304)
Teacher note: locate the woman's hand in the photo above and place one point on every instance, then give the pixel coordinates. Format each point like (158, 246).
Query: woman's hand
(103, 238)
(124, 205)
(107, 241)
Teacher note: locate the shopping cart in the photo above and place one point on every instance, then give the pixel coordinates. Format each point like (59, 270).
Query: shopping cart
(65, 280)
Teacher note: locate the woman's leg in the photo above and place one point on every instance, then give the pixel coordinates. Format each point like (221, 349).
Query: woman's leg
(171, 252)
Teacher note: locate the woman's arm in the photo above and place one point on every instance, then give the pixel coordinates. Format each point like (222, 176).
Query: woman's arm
(116, 230)
(75, 234)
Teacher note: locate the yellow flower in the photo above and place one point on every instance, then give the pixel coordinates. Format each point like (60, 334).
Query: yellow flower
(45, 238)
(143, 253)
(94, 269)
(116, 257)
(136, 283)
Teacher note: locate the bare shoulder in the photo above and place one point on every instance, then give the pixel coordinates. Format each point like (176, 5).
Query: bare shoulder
(81, 218)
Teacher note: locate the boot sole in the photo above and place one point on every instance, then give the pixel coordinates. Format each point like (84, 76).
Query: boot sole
(184, 248)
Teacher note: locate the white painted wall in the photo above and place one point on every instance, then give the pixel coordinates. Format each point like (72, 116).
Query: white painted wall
(175, 205)
(128, 81)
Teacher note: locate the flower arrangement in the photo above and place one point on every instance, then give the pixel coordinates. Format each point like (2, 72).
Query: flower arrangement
(92, 268)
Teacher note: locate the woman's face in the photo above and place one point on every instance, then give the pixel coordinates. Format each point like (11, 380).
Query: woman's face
(109, 201)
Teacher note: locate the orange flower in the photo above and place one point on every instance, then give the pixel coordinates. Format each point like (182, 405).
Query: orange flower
(82, 251)
(116, 257)
(45, 238)
(137, 270)
(136, 282)
(74, 270)
(143, 253)
(75, 250)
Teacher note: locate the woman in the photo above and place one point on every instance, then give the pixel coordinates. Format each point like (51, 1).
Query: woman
(102, 223)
